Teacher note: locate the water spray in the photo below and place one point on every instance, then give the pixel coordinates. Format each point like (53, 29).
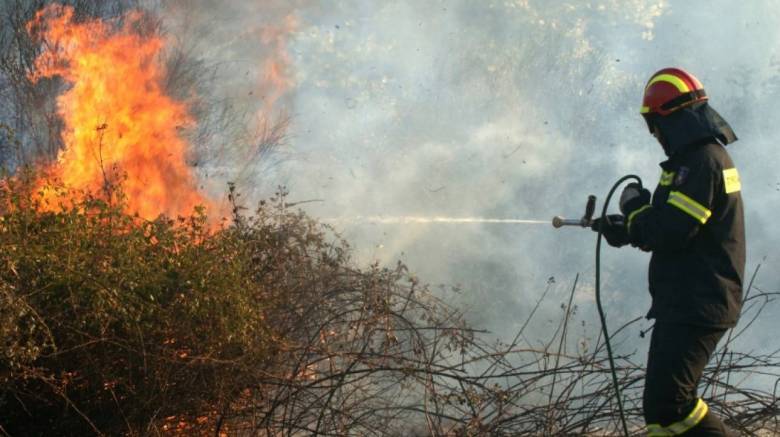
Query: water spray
(557, 221)
(404, 220)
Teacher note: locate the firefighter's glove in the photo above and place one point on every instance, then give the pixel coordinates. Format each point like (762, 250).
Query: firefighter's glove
(613, 229)
(633, 198)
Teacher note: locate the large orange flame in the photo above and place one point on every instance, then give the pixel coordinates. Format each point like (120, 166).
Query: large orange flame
(117, 117)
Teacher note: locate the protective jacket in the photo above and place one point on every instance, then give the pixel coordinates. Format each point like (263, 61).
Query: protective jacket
(694, 226)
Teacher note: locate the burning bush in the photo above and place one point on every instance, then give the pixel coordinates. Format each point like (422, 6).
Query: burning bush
(110, 321)
(113, 324)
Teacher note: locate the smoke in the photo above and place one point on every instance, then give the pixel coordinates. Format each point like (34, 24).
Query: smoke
(498, 109)
(231, 62)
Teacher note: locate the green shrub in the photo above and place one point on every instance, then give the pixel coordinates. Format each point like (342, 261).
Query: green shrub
(111, 324)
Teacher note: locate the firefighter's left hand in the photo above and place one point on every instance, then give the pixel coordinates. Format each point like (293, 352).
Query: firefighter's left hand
(633, 198)
(613, 229)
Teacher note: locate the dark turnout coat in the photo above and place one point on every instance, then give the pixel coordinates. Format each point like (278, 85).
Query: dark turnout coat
(694, 226)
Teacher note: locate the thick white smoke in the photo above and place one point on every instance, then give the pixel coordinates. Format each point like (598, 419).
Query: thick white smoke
(503, 109)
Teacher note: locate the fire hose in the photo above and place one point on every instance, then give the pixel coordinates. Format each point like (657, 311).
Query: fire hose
(587, 221)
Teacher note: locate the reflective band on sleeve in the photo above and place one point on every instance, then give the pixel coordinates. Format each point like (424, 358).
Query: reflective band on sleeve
(689, 206)
(681, 427)
(667, 177)
(634, 214)
(731, 180)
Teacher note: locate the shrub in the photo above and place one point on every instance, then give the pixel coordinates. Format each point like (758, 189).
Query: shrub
(111, 324)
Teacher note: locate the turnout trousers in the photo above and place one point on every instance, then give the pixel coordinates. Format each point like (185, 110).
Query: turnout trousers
(676, 359)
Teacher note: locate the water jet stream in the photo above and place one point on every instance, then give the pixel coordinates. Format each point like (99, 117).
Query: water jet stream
(385, 220)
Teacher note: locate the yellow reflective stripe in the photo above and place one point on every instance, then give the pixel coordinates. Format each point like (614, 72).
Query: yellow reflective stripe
(644, 110)
(672, 79)
(634, 214)
(693, 419)
(655, 430)
(731, 180)
(667, 177)
(689, 206)
(683, 426)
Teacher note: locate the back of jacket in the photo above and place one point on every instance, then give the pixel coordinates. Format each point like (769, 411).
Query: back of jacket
(695, 230)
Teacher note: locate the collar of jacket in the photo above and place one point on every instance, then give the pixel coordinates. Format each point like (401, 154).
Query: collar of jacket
(672, 163)
(693, 125)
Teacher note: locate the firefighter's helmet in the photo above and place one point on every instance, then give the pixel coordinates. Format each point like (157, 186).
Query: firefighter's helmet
(671, 89)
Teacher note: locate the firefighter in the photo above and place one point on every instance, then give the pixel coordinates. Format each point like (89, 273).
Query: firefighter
(693, 226)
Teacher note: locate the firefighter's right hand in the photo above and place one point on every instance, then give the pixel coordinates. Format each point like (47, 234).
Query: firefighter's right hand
(613, 229)
(633, 198)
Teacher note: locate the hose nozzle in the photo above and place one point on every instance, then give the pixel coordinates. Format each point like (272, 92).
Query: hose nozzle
(585, 221)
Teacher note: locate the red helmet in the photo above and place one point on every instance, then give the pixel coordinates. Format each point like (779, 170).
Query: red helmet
(671, 89)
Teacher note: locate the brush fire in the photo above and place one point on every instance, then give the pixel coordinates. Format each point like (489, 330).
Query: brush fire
(119, 123)
(421, 132)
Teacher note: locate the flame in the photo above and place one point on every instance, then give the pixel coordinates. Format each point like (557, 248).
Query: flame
(275, 79)
(118, 120)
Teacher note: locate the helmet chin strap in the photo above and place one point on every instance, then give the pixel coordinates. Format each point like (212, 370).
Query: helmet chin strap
(665, 145)
(656, 131)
